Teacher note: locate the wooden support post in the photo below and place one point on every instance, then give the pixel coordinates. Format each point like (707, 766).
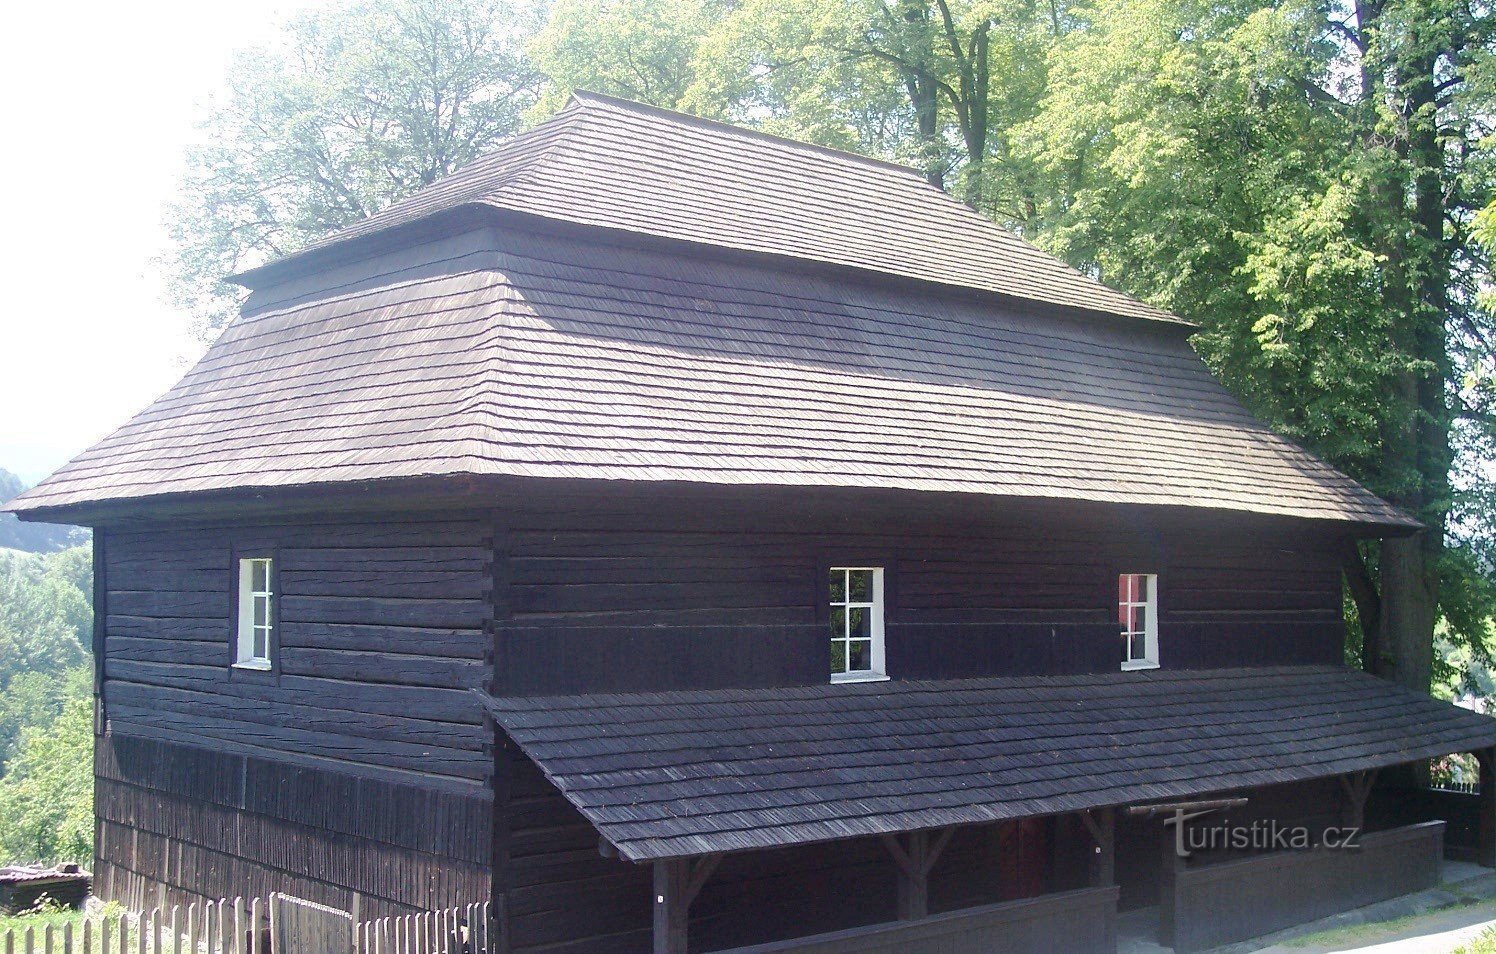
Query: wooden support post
(677, 882)
(914, 883)
(1485, 852)
(915, 854)
(1169, 864)
(1355, 788)
(1102, 824)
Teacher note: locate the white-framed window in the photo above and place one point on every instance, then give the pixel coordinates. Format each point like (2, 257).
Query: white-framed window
(1137, 612)
(255, 643)
(856, 623)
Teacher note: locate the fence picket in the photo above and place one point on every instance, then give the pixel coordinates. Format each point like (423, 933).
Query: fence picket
(240, 926)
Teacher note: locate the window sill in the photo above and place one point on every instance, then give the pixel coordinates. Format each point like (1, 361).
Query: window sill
(1137, 664)
(254, 665)
(842, 677)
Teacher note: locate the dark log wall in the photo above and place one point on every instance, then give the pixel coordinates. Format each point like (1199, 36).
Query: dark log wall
(637, 590)
(644, 588)
(361, 766)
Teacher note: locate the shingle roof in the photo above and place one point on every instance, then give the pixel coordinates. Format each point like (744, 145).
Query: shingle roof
(561, 358)
(619, 165)
(684, 773)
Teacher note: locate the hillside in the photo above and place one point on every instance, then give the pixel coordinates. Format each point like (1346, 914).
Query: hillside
(32, 537)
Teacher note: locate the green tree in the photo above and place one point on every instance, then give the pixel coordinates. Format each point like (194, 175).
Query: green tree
(32, 700)
(1301, 179)
(644, 50)
(46, 797)
(45, 612)
(935, 83)
(358, 105)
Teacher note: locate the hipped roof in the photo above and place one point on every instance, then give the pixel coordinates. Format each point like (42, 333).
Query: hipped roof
(614, 164)
(676, 774)
(563, 340)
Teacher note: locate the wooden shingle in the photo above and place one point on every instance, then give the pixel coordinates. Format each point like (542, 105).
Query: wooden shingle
(518, 349)
(681, 773)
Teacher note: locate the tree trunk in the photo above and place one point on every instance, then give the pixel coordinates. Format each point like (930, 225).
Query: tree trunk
(1409, 609)
(1416, 452)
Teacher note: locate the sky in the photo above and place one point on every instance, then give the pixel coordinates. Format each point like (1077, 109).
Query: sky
(101, 101)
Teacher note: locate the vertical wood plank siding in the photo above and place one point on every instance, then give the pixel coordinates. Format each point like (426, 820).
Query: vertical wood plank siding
(361, 766)
(698, 590)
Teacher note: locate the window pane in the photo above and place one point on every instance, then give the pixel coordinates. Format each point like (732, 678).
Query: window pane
(261, 575)
(1139, 619)
(262, 643)
(838, 656)
(1142, 589)
(861, 586)
(859, 622)
(861, 653)
(261, 610)
(838, 621)
(838, 586)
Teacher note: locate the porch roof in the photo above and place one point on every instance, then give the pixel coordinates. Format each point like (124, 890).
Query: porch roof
(676, 774)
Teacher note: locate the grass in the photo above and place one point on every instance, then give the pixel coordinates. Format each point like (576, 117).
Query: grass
(1354, 932)
(1483, 944)
(1377, 931)
(48, 913)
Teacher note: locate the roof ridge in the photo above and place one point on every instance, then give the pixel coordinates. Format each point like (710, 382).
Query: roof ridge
(587, 97)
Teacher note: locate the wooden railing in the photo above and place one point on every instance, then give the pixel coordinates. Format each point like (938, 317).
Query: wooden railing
(277, 925)
(1231, 901)
(1067, 922)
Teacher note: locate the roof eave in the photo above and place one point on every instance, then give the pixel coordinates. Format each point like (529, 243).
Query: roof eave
(457, 490)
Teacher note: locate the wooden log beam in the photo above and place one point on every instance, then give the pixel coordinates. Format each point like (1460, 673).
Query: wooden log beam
(1485, 852)
(1169, 808)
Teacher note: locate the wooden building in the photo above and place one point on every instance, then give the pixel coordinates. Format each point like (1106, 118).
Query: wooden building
(698, 539)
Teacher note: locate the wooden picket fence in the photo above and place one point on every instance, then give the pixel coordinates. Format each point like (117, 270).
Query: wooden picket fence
(281, 925)
(464, 929)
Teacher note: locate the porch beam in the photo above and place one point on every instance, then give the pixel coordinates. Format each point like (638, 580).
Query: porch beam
(1170, 808)
(915, 854)
(1102, 824)
(1169, 867)
(1356, 788)
(1485, 852)
(677, 882)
